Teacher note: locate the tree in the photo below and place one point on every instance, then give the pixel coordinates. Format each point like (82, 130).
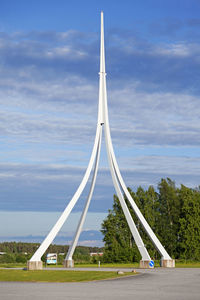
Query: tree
(189, 233)
(147, 202)
(21, 258)
(172, 213)
(119, 245)
(169, 215)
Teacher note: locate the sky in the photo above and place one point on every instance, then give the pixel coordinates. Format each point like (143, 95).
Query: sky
(49, 64)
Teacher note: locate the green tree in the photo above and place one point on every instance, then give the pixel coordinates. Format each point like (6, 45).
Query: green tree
(189, 233)
(148, 203)
(169, 215)
(162, 211)
(119, 244)
(21, 258)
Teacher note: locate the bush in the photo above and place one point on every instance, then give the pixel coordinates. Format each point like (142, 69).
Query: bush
(7, 258)
(20, 258)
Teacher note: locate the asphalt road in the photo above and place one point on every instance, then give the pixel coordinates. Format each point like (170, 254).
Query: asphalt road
(170, 284)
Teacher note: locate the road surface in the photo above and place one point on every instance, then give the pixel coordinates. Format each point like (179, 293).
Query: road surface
(156, 284)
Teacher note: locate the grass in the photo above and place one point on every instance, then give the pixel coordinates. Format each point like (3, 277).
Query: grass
(57, 276)
(103, 265)
(108, 265)
(12, 265)
(187, 264)
(179, 264)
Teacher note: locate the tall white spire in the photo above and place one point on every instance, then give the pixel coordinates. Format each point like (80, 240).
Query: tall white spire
(120, 187)
(102, 48)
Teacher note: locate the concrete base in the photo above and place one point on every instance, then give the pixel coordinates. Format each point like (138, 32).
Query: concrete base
(167, 263)
(34, 265)
(68, 263)
(145, 264)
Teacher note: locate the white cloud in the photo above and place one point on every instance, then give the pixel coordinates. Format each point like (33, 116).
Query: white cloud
(64, 51)
(169, 165)
(67, 112)
(174, 50)
(178, 50)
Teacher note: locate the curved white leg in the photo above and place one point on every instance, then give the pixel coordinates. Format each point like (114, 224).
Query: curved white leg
(138, 240)
(146, 226)
(83, 216)
(54, 231)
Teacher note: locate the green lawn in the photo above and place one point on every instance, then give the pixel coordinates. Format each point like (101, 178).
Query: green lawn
(179, 264)
(113, 265)
(135, 265)
(110, 265)
(57, 276)
(12, 265)
(187, 264)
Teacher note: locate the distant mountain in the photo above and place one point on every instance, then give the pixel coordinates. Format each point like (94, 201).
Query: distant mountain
(87, 238)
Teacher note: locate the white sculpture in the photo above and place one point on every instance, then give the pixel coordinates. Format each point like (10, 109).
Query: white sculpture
(103, 121)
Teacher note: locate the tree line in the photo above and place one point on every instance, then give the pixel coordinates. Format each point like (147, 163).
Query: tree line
(173, 214)
(20, 252)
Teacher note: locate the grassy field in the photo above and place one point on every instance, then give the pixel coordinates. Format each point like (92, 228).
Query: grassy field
(179, 264)
(12, 265)
(57, 276)
(110, 265)
(187, 264)
(116, 265)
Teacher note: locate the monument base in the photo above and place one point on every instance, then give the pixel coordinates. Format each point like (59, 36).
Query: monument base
(167, 263)
(68, 263)
(146, 264)
(34, 265)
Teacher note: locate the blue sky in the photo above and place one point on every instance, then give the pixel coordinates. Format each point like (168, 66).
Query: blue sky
(49, 63)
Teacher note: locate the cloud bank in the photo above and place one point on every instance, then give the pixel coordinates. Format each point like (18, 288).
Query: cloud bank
(48, 111)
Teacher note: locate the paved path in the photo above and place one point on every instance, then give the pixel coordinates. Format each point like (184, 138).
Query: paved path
(157, 284)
